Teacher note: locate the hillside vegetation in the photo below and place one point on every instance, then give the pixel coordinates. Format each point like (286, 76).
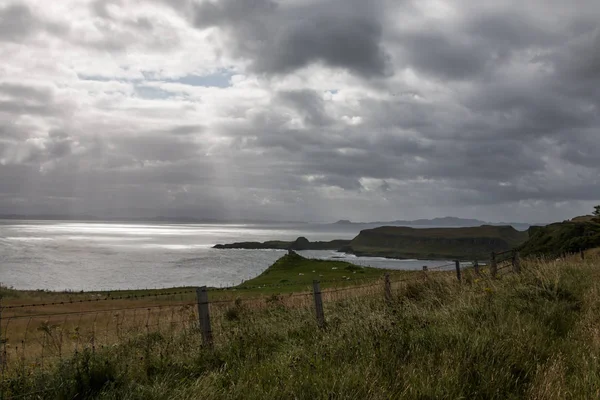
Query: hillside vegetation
(302, 271)
(436, 243)
(581, 233)
(532, 336)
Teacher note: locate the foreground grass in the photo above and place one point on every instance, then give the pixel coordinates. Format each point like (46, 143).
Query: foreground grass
(536, 335)
(64, 322)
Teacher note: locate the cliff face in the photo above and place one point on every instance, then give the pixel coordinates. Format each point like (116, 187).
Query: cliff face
(462, 243)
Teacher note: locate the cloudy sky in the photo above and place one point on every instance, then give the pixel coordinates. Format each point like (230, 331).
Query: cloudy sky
(301, 109)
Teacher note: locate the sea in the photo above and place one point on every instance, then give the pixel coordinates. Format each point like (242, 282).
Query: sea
(72, 255)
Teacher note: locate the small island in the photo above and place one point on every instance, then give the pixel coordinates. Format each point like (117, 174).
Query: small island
(301, 243)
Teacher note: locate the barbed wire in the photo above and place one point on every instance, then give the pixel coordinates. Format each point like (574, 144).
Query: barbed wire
(109, 298)
(190, 291)
(99, 311)
(348, 288)
(440, 266)
(286, 284)
(406, 279)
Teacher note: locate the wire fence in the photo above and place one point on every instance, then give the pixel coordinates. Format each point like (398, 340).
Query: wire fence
(37, 336)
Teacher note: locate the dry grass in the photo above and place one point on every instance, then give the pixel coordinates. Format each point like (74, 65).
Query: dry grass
(535, 335)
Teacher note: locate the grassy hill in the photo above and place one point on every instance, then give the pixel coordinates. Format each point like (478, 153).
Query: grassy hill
(436, 243)
(532, 336)
(293, 268)
(581, 233)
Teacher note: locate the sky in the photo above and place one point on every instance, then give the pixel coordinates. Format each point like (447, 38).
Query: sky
(300, 109)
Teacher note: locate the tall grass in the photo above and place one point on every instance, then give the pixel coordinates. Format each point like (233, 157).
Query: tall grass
(534, 335)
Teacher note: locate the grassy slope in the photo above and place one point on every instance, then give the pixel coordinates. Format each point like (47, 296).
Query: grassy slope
(529, 336)
(562, 237)
(293, 268)
(464, 243)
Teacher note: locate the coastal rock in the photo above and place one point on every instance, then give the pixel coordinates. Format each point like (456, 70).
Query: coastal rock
(301, 243)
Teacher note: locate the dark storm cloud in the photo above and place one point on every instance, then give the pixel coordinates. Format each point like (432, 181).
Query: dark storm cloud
(29, 99)
(579, 58)
(444, 56)
(508, 31)
(309, 103)
(17, 23)
(27, 93)
(488, 106)
(282, 38)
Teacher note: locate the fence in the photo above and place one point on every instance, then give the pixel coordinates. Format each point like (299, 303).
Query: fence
(39, 335)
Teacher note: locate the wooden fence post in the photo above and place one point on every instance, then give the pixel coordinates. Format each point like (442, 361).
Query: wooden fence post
(516, 262)
(388, 288)
(457, 263)
(476, 267)
(204, 315)
(493, 265)
(582, 254)
(318, 304)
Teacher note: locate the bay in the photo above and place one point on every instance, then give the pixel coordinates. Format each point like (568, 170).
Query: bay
(68, 255)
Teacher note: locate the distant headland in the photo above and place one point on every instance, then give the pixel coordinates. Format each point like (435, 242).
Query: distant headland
(466, 243)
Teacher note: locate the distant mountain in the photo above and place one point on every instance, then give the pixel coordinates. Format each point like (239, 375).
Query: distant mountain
(441, 222)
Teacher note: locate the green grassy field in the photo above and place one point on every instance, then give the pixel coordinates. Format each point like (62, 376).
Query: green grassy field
(534, 335)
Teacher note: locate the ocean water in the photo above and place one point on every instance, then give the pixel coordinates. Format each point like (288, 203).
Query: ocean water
(66, 255)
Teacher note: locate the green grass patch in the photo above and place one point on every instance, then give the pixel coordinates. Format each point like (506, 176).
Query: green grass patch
(293, 272)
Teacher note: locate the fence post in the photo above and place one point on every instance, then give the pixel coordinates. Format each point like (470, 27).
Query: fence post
(388, 288)
(493, 265)
(318, 304)
(204, 315)
(516, 262)
(582, 254)
(457, 270)
(476, 267)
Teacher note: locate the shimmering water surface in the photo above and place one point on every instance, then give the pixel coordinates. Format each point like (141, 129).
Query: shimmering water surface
(105, 256)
